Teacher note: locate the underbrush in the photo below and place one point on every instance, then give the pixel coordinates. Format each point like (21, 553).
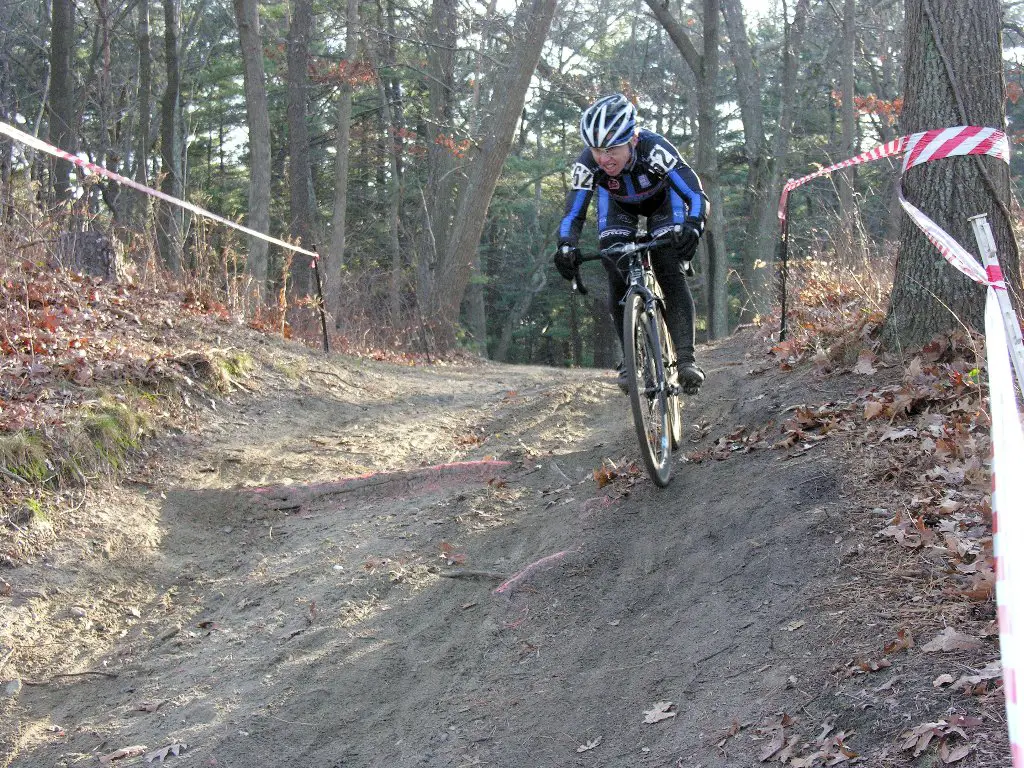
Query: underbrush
(836, 309)
(915, 436)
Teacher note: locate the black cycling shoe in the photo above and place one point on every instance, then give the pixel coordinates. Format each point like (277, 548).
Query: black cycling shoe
(691, 376)
(622, 378)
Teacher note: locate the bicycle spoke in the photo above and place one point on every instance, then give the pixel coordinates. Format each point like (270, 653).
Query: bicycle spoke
(648, 393)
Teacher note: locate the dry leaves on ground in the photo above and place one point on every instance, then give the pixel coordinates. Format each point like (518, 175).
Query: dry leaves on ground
(659, 711)
(171, 749)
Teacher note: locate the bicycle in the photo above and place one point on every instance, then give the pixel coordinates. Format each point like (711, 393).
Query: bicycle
(649, 355)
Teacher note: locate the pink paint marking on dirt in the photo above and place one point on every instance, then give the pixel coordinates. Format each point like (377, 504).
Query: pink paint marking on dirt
(519, 575)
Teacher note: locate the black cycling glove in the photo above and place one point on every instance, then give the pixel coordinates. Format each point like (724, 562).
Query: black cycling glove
(686, 236)
(567, 261)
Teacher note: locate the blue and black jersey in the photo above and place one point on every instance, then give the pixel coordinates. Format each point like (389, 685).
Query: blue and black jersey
(655, 171)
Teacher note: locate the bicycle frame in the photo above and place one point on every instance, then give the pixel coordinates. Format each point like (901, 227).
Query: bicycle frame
(653, 393)
(640, 280)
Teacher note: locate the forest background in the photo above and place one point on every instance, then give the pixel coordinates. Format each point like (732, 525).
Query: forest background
(423, 148)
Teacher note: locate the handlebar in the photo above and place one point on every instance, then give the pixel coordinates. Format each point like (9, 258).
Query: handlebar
(615, 253)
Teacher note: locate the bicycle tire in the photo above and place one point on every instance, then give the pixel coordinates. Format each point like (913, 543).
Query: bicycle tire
(671, 367)
(648, 397)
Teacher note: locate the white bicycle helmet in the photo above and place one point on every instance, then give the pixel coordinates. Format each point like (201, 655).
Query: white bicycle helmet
(608, 121)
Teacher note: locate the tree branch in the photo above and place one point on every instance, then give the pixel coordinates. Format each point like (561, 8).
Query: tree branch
(675, 31)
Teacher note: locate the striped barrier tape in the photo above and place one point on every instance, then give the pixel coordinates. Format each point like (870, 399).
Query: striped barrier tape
(1007, 524)
(27, 139)
(1004, 346)
(1001, 333)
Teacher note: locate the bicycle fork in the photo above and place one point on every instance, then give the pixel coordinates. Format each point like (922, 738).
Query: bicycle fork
(665, 370)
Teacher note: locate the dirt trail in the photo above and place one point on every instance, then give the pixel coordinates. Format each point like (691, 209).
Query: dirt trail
(373, 565)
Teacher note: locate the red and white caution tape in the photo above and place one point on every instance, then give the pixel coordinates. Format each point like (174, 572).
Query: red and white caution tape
(1007, 522)
(1004, 346)
(893, 147)
(31, 141)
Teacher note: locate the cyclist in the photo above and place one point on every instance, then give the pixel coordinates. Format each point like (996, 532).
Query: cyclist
(637, 172)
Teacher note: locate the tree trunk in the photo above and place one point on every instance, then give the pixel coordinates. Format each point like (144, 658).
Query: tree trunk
(755, 144)
(537, 282)
(170, 220)
(336, 256)
(704, 67)
(953, 77)
(7, 110)
(62, 110)
(257, 117)
(390, 95)
(441, 163)
(300, 179)
(707, 162)
(476, 304)
(846, 242)
(533, 19)
(764, 160)
(141, 207)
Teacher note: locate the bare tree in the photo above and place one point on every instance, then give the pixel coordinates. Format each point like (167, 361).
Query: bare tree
(170, 222)
(62, 111)
(533, 18)
(258, 121)
(336, 255)
(141, 204)
(300, 180)
(704, 67)
(764, 157)
(436, 195)
(848, 121)
(389, 94)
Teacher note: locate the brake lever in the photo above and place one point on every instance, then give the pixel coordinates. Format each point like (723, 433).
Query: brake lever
(577, 283)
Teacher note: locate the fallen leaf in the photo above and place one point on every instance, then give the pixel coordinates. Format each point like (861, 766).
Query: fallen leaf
(895, 434)
(733, 730)
(778, 741)
(659, 711)
(864, 365)
(951, 640)
(903, 641)
(589, 745)
(959, 752)
(604, 476)
(873, 409)
(794, 625)
(919, 737)
(123, 752)
(809, 761)
(990, 671)
(171, 749)
(942, 680)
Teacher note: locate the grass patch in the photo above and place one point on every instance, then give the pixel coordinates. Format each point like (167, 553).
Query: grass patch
(98, 443)
(101, 442)
(24, 455)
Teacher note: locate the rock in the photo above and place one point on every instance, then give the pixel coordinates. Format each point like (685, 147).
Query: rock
(12, 688)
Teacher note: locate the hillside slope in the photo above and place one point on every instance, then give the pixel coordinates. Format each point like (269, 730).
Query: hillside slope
(354, 563)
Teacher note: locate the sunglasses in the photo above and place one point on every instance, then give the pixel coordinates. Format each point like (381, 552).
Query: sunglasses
(608, 150)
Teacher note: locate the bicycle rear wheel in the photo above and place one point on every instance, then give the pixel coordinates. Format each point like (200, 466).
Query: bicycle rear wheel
(647, 390)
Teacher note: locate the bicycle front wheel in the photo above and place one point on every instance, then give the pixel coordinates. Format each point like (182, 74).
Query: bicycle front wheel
(648, 394)
(670, 364)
